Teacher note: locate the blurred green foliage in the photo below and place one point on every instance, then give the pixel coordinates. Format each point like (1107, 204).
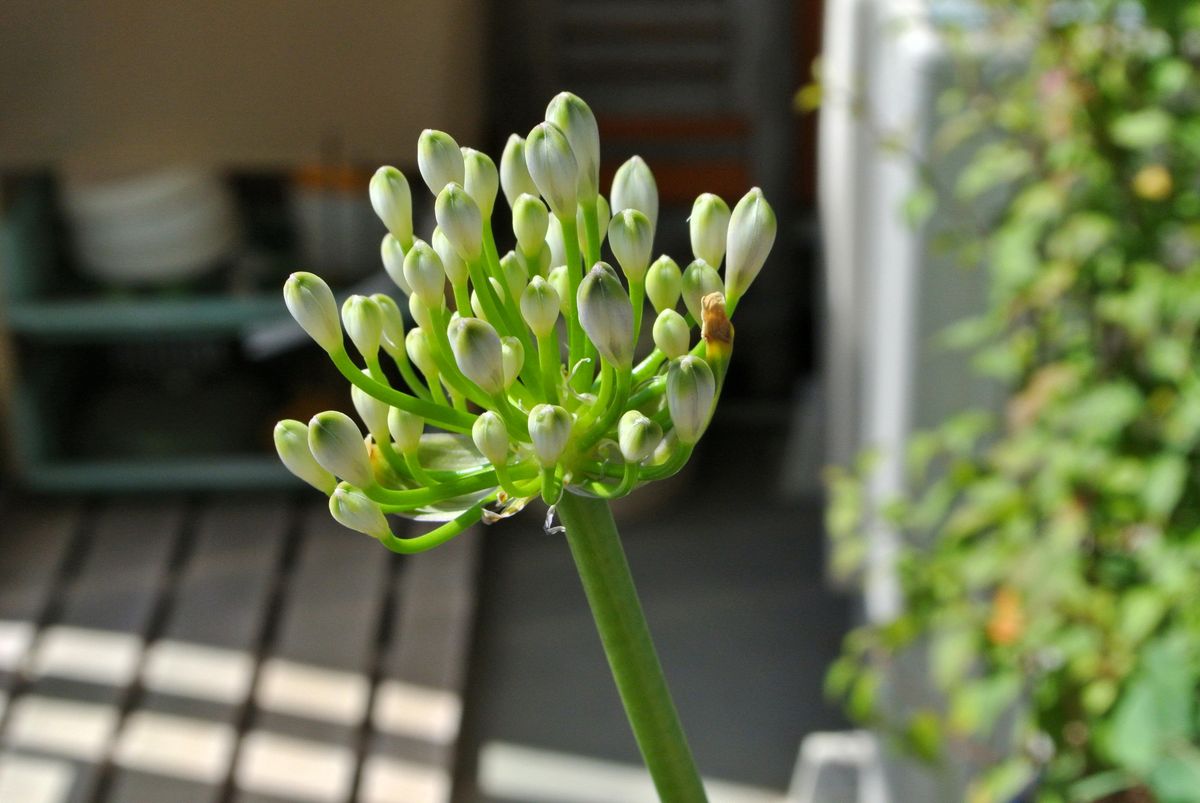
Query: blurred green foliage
(1051, 569)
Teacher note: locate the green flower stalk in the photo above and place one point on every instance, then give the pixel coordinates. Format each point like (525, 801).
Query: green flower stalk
(524, 380)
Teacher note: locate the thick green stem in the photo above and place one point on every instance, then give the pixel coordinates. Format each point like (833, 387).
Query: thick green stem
(596, 547)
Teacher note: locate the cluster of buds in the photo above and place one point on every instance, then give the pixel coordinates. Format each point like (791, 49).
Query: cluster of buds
(484, 413)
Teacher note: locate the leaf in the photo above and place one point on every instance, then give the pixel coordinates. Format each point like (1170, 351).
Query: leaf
(1141, 129)
(1164, 484)
(1176, 778)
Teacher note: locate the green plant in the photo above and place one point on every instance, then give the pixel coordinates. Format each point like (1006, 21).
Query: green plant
(487, 370)
(1051, 572)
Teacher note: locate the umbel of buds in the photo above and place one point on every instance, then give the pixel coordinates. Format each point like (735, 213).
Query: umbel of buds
(517, 374)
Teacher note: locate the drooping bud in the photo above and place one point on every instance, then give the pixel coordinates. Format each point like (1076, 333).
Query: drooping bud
(708, 226)
(514, 274)
(352, 509)
(514, 174)
(311, 303)
(440, 160)
(691, 389)
(664, 283)
(631, 238)
(751, 235)
(420, 351)
(717, 331)
(531, 220)
(554, 240)
(540, 306)
(425, 274)
(420, 312)
(513, 358)
(372, 411)
(459, 218)
(699, 280)
(553, 168)
(392, 334)
(671, 334)
(633, 187)
(491, 437)
(364, 323)
(561, 282)
(291, 441)
(391, 199)
(549, 430)
(406, 430)
(606, 315)
(337, 444)
(481, 180)
(478, 352)
(393, 262)
(452, 263)
(638, 436)
(575, 119)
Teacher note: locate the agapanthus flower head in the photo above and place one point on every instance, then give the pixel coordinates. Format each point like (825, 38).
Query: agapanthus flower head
(522, 378)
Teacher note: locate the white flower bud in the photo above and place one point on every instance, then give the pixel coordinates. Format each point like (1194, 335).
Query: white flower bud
(672, 336)
(478, 352)
(664, 283)
(751, 235)
(549, 431)
(606, 315)
(392, 334)
(553, 168)
(542, 268)
(291, 441)
(391, 199)
(364, 323)
(420, 312)
(352, 509)
(337, 444)
(477, 306)
(633, 187)
(514, 274)
(513, 358)
(691, 389)
(440, 160)
(311, 303)
(459, 218)
(452, 263)
(638, 436)
(420, 351)
(554, 240)
(514, 174)
(540, 306)
(561, 283)
(372, 411)
(631, 238)
(708, 226)
(393, 262)
(406, 430)
(481, 180)
(603, 216)
(491, 437)
(425, 274)
(531, 220)
(699, 280)
(575, 119)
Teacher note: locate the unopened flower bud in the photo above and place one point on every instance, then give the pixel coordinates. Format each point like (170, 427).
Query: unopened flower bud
(420, 351)
(291, 441)
(542, 265)
(606, 315)
(425, 274)
(514, 174)
(633, 187)
(420, 312)
(672, 336)
(311, 303)
(406, 430)
(337, 444)
(691, 389)
(477, 306)
(575, 119)
(452, 263)
(459, 218)
(553, 168)
(638, 436)
(664, 283)
(531, 220)
(699, 280)
(440, 160)
(392, 334)
(513, 358)
(561, 282)
(549, 430)
(631, 238)
(491, 437)
(514, 274)
(393, 262)
(352, 509)
(364, 323)
(372, 411)
(478, 352)
(708, 226)
(603, 216)
(540, 306)
(391, 199)
(554, 239)
(481, 180)
(751, 235)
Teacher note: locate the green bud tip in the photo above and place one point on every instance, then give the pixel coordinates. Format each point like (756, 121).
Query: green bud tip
(337, 444)
(391, 199)
(708, 226)
(425, 274)
(691, 389)
(311, 303)
(574, 118)
(699, 280)
(364, 323)
(638, 436)
(459, 218)
(440, 160)
(553, 168)
(393, 262)
(631, 238)
(672, 335)
(633, 187)
(372, 411)
(416, 343)
(549, 430)
(392, 334)
(540, 306)
(664, 283)
(514, 274)
(420, 312)
(491, 437)
(531, 220)
(606, 315)
(514, 174)
(452, 263)
(352, 509)
(406, 430)
(513, 359)
(478, 352)
(751, 234)
(481, 180)
(291, 441)
(561, 283)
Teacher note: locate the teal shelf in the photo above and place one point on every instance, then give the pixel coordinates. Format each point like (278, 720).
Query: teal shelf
(126, 318)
